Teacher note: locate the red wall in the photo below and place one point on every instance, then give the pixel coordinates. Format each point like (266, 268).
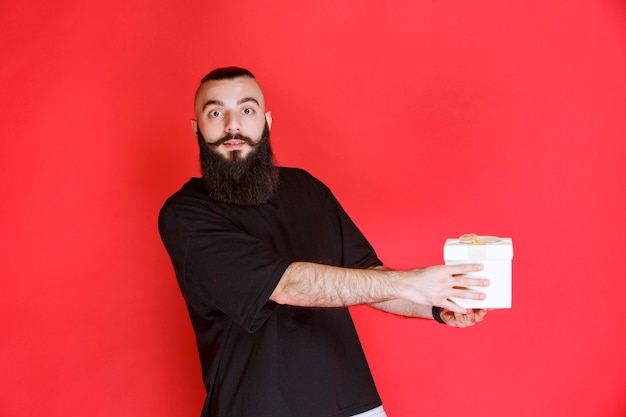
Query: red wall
(429, 119)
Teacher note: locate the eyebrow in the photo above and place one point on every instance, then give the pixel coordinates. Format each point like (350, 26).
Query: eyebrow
(221, 103)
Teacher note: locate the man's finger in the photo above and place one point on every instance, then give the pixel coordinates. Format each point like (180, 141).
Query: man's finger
(464, 268)
(471, 282)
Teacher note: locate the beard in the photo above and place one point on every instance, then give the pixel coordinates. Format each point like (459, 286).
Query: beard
(248, 181)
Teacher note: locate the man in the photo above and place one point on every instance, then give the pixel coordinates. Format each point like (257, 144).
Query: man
(268, 263)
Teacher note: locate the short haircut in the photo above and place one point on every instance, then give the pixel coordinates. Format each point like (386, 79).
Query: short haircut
(226, 73)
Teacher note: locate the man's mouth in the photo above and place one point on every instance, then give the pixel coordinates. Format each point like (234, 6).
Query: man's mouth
(234, 144)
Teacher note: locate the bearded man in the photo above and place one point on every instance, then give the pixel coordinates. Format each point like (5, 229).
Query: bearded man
(268, 263)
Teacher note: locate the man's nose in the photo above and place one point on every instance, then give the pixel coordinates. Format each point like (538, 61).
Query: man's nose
(233, 124)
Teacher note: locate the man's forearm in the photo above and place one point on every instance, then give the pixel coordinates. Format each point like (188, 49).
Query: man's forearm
(405, 308)
(314, 285)
(308, 284)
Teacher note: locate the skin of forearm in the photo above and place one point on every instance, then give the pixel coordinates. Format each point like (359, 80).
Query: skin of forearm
(404, 308)
(307, 284)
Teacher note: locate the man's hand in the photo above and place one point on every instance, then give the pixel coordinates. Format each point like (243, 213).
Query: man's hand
(472, 317)
(435, 285)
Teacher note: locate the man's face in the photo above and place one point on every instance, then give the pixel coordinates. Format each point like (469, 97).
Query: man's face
(230, 115)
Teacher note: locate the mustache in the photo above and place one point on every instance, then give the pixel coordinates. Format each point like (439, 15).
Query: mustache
(231, 136)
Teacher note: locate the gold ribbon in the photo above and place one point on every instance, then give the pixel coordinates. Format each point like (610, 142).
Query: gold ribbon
(472, 239)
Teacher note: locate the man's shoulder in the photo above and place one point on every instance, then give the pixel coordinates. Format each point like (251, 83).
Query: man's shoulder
(299, 184)
(297, 176)
(190, 196)
(192, 189)
(293, 172)
(190, 206)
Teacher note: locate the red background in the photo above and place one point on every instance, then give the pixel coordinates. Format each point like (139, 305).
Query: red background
(429, 119)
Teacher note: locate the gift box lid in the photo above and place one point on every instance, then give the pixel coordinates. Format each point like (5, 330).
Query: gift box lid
(478, 247)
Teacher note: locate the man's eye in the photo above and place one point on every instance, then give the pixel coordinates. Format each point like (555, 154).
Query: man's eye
(248, 110)
(215, 113)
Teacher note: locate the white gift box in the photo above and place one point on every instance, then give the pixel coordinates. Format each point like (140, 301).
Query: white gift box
(495, 254)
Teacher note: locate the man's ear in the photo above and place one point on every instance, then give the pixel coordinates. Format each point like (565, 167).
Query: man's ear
(268, 118)
(194, 126)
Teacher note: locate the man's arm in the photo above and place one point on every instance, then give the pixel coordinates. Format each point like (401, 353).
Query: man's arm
(308, 284)
(402, 307)
(405, 308)
(451, 318)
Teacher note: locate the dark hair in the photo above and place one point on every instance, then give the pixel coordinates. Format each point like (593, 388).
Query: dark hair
(226, 73)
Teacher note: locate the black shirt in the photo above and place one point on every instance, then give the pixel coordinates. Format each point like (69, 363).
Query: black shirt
(261, 359)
